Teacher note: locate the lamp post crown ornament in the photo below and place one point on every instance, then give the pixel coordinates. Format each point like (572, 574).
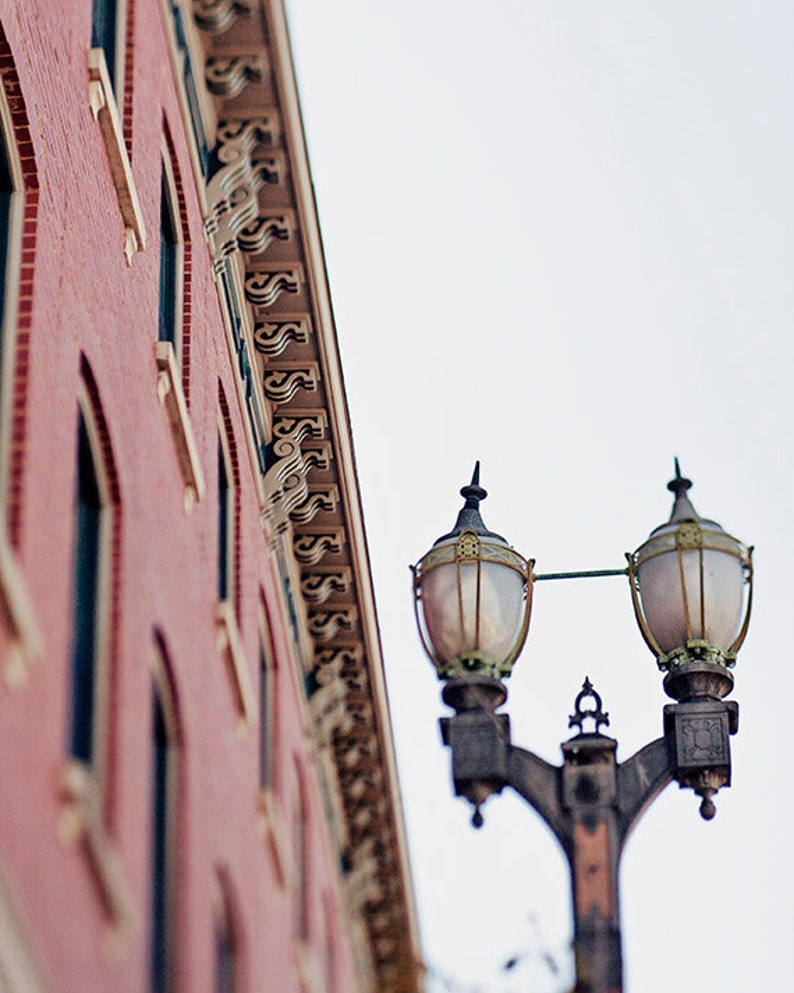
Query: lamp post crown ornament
(469, 518)
(679, 486)
(596, 713)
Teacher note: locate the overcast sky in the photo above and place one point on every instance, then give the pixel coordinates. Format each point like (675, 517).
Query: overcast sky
(559, 240)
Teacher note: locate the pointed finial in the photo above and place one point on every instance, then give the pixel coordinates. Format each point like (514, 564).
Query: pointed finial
(474, 493)
(682, 507)
(680, 484)
(469, 516)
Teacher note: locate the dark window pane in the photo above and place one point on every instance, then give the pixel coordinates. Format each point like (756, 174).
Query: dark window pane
(159, 879)
(103, 32)
(86, 586)
(190, 89)
(6, 189)
(168, 266)
(224, 516)
(224, 956)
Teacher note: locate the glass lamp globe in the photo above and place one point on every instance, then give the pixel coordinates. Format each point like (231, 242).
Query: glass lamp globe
(691, 584)
(472, 595)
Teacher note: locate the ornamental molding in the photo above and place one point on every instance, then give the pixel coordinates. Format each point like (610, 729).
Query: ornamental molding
(319, 498)
(264, 287)
(228, 75)
(299, 425)
(320, 585)
(217, 16)
(262, 233)
(311, 545)
(326, 624)
(327, 706)
(272, 337)
(330, 662)
(250, 133)
(286, 484)
(232, 192)
(255, 238)
(282, 380)
(362, 880)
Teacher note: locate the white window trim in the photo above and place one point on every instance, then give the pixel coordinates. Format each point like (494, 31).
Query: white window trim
(230, 645)
(105, 111)
(172, 397)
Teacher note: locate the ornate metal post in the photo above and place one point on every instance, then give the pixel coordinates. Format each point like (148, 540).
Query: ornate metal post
(591, 801)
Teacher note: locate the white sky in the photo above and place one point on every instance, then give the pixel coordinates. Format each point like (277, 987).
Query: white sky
(559, 239)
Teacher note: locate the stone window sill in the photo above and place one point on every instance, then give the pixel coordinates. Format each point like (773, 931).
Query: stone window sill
(230, 645)
(81, 823)
(103, 107)
(271, 829)
(26, 642)
(169, 389)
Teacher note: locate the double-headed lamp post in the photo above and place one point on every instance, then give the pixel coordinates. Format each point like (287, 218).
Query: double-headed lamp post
(691, 587)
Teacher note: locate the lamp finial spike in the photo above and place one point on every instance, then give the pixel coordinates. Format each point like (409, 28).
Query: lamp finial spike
(474, 493)
(678, 486)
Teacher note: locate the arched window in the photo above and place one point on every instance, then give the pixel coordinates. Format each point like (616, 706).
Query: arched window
(225, 524)
(87, 776)
(94, 581)
(172, 350)
(228, 607)
(228, 510)
(267, 707)
(164, 801)
(170, 309)
(87, 569)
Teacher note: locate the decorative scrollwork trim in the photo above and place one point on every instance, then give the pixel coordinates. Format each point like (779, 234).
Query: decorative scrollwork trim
(228, 75)
(311, 545)
(318, 499)
(325, 624)
(320, 585)
(217, 16)
(256, 237)
(299, 425)
(263, 288)
(272, 337)
(282, 381)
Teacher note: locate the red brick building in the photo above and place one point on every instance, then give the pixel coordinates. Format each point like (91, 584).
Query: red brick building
(199, 790)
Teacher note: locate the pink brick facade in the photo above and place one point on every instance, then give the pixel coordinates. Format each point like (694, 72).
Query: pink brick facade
(76, 859)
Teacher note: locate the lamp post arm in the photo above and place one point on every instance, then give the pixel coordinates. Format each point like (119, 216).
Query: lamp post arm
(640, 780)
(540, 784)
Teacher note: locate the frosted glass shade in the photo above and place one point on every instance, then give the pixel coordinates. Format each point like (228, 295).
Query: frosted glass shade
(472, 605)
(691, 581)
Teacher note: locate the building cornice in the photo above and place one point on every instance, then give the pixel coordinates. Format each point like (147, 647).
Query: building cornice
(263, 234)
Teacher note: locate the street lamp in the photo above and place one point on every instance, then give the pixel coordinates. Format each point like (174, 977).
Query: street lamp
(691, 588)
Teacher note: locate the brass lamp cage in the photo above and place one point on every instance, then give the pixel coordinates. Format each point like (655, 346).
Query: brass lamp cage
(468, 550)
(690, 537)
